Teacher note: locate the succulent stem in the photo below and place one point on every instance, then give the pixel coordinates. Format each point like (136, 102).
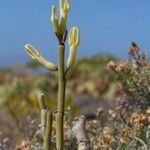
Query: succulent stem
(48, 131)
(46, 122)
(61, 98)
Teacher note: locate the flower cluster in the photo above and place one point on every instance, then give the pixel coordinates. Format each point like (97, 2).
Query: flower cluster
(134, 75)
(139, 121)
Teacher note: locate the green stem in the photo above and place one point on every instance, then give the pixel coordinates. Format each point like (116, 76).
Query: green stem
(48, 131)
(46, 122)
(61, 98)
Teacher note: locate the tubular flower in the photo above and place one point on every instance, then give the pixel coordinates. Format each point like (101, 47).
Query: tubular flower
(59, 27)
(34, 54)
(74, 41)
(54, 19)
(31, 51)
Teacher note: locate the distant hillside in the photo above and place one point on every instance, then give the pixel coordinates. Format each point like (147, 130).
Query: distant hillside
(89, 76)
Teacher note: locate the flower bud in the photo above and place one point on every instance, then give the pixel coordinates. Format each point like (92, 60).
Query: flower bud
(64, 8)
(74, 37)
(34, 54)
(59, 27)
(63, 15)
(54, 19)
(73, 40)
(31, 51)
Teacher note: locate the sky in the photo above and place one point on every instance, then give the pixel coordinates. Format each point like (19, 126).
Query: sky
(106, 26)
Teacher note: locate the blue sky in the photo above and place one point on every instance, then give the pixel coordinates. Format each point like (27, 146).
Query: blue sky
(106, 26)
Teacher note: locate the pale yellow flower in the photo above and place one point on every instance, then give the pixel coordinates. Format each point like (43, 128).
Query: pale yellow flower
(74, 41)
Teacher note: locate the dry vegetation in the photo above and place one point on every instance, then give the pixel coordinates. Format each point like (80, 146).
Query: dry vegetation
(125, 126)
